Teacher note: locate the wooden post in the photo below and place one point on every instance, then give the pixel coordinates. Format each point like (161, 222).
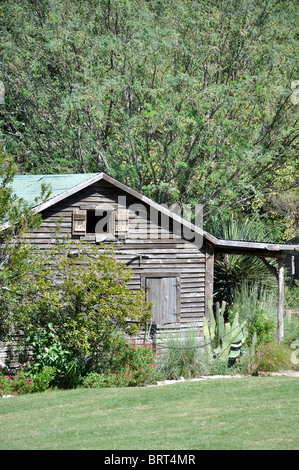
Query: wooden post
(209, 283)
(280, 308)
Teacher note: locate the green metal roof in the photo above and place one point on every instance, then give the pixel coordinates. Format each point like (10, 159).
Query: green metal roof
(29, 186)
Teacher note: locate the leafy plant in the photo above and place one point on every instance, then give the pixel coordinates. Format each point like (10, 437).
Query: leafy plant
(127, 365)
(85, 304)
(291, 329)
(224, 339)
(180, 355)
(24, 381)
(256, 302)
(233, 271)
(47, 351)
(292, 295)
(271, 357)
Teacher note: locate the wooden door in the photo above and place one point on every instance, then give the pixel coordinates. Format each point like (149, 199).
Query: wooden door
(163, 292)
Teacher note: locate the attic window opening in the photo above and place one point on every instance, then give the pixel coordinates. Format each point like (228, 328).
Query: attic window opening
(103, 223)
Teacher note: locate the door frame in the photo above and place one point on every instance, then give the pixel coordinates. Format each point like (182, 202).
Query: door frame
(162, 274)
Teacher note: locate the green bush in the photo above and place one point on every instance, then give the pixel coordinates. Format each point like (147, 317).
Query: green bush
(185, 355)
(47, 351)
(23, 382)
(291, 295)
(264, 327)
(126, 365)
(85, 303)
(291, 329)
(180, 356)
(271, 357)
(258, 304)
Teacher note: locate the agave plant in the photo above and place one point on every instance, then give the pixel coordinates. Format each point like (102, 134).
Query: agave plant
(225, 340)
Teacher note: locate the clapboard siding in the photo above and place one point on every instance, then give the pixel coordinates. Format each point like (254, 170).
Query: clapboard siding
(165, 252)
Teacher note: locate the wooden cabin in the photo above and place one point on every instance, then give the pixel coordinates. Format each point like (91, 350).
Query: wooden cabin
(171, 259)
(98, 209)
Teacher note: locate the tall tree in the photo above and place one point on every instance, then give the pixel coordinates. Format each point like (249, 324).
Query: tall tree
(16, 216)
(186, 101)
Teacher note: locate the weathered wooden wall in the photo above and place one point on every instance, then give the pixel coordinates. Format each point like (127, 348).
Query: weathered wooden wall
(161, 255)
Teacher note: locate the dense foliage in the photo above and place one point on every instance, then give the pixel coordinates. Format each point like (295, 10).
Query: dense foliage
(16, 216)
(127, 364)
(186, 101)
(85, 302)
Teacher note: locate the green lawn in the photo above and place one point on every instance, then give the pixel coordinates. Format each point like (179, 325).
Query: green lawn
(249, 413)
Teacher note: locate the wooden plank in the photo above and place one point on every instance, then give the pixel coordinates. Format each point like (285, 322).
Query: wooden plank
(43, 235)
(176, 242)
(169, 261)
(280, 309)
(65, 223)
(190, 286)
(194, 277)
(57, 212)
(192, 295)
(50, 230)
(209, 282)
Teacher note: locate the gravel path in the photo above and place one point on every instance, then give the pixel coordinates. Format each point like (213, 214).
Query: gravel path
(288, 373)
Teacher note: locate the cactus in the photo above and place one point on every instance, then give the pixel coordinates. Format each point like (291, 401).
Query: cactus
(224, 339)
(238, 338)
(220, 320)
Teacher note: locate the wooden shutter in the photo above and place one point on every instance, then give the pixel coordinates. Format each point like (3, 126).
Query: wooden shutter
(79, 222)
(164, 294)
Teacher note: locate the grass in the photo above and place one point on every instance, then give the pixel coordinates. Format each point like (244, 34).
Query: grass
(247, 413)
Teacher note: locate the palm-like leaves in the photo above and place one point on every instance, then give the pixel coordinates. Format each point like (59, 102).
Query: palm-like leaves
(232, 270)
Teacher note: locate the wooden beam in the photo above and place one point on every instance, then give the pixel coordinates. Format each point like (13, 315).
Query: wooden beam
(267, 247)
(209, 282)
(271, 268)
(280, 309)
(246, 252)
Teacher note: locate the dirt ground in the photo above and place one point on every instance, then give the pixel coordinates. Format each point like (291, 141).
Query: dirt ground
(289, 373)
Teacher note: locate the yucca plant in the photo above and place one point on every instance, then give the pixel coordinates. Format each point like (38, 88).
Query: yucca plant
(232, 270)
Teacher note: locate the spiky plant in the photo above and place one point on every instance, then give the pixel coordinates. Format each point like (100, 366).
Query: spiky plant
(231, 270)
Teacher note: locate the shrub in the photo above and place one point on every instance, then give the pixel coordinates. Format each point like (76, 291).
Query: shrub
(23, 382)
(271, 357)
(128, 364)
(47, 351)
(185, 355)
(180, 357)
(291, 299)
(257, 303)
(84, 303)
(264, 327)
(291, 329)
(43, 379)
